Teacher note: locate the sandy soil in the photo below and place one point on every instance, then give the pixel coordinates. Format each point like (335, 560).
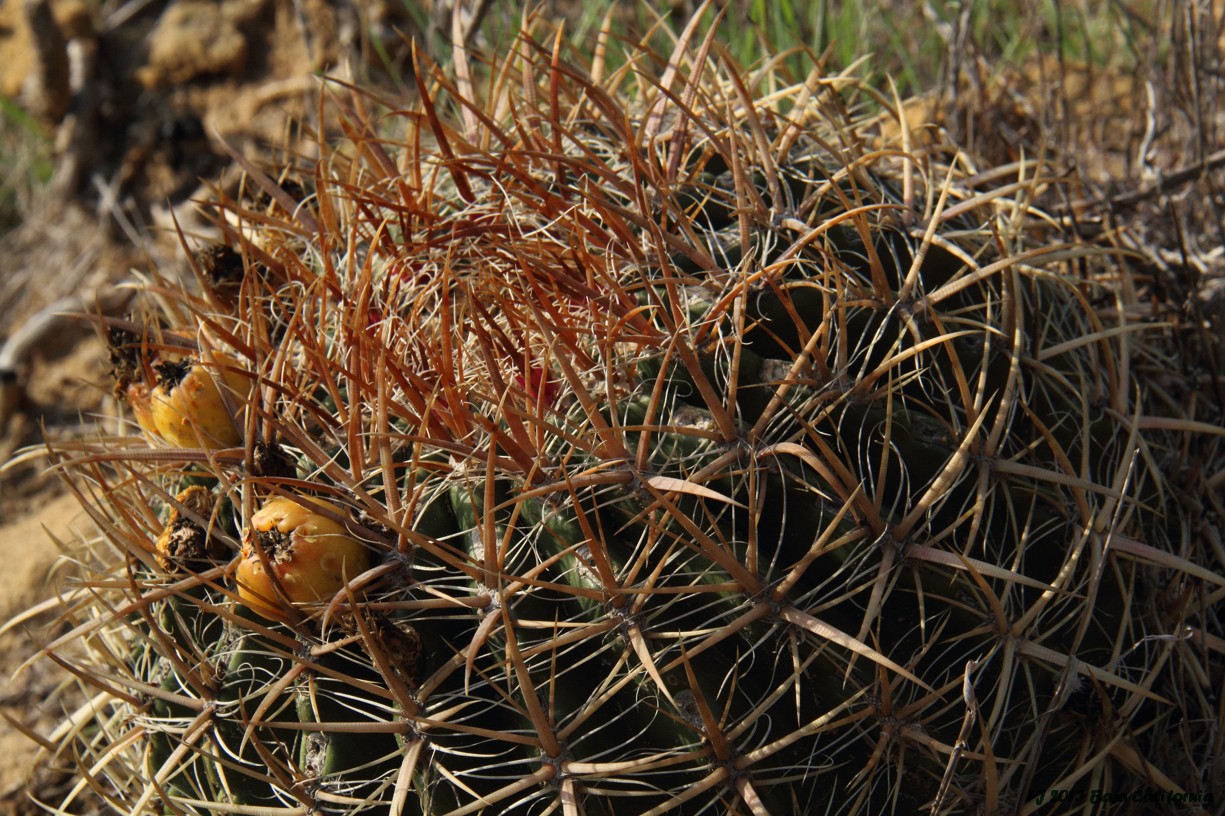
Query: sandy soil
(28, 553)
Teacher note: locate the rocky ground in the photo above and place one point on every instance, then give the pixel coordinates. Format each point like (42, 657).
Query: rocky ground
(132, 110)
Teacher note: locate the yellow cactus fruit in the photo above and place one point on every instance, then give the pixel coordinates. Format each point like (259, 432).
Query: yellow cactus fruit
(311, 555)
(139, 396)
(189, 408)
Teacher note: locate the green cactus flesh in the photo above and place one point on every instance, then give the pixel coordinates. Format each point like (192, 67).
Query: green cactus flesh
(705, 471)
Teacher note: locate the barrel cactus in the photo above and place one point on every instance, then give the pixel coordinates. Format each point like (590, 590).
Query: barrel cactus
(644, 437)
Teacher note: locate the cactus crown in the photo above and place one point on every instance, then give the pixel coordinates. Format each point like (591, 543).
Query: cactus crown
(708, 454)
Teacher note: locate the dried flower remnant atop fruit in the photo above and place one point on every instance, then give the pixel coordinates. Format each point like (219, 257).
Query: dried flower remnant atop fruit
(311, 556)
(184, 540)
(131, 372)
(123, 348)
(270, 461)
(397, 643)
(222, 269)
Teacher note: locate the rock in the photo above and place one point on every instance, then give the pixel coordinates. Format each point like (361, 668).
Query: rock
(196, 39)
(46, 92)
(18, 49)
